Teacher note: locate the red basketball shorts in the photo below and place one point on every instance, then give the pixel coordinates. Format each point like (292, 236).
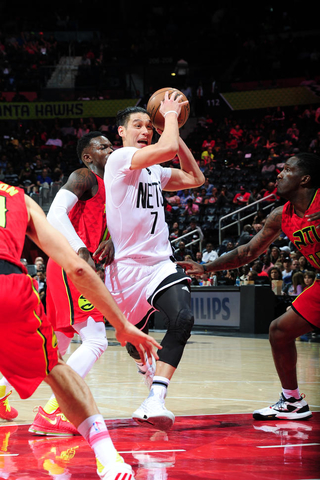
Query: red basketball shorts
(307, 304)
(65, 305)
(28, 344)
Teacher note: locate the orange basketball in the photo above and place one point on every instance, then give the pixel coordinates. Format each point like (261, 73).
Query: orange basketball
(154, 106)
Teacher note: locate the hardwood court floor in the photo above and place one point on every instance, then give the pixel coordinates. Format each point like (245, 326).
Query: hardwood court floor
(220, 381)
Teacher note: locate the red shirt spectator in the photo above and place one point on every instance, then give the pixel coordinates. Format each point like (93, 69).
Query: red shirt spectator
(231, 143)
(270, 189)
(237, 132)
(242, 197)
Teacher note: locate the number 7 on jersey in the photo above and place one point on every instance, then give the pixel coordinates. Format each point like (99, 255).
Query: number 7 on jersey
(154, 222)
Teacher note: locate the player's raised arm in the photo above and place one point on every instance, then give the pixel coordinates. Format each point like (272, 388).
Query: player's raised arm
(140, 130)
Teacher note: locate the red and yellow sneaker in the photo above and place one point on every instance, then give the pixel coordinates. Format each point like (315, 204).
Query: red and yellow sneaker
(6, 411)
(54, 423)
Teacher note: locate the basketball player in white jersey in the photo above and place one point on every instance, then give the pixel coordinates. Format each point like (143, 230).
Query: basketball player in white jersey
(143, 277)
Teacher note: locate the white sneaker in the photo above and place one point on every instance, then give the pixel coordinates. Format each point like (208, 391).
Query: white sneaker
(154, 414)
(284, 409)
(148, 374)
(120, 471)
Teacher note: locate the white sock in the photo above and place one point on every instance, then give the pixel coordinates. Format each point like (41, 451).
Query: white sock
(94, 430)
(159, 387)
(291, 393)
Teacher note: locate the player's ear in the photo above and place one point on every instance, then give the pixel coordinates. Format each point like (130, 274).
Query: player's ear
(305, 180)
(86, 158)
(121, 130)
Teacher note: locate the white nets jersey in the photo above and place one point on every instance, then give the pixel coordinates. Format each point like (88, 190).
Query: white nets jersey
(134, 208)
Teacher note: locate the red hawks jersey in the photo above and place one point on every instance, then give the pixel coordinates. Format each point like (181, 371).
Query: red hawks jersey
(13, 223)
(89, 218)
(302, 233)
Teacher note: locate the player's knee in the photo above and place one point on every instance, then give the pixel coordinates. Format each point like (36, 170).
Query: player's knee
(96, 345)
(133, 352)
(277, 335)
(182, 325)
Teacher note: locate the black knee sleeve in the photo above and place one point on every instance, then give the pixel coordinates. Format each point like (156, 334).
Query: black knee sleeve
(174, 341)
(180, 326)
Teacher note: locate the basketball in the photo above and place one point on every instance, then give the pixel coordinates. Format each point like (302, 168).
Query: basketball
(154, 106)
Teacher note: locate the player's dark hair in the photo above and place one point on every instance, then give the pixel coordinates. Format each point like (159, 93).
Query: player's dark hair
(85, 140)
(123, 116)
(309, 164)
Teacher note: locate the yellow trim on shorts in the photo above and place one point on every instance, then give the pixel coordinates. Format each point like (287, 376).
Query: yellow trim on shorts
(44, 340)
(69, 297)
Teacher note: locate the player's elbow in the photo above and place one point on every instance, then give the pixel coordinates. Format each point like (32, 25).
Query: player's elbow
(77, 269)
(197, 179)
(200, 179)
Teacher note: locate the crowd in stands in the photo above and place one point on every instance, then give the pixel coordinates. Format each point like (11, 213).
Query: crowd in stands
(23, 58)
(280, 43)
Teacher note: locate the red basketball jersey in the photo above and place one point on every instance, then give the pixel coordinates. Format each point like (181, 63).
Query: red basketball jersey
(304, 234)
(13, 223)
(89, 218)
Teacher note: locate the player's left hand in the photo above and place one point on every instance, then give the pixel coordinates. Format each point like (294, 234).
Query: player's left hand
(104, 252)
(143, 343)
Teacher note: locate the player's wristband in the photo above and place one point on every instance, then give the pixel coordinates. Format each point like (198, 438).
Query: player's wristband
(204, 268)
(170, 111)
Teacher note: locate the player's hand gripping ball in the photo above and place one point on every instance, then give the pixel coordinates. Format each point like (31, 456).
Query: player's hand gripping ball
(154, 103)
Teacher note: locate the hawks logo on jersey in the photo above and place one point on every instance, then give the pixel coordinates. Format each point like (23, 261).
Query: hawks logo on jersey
(303, 235)
(306, 236)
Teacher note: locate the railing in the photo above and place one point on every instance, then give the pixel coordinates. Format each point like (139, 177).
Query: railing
(198, 240)
(237, 212)
(45, 196)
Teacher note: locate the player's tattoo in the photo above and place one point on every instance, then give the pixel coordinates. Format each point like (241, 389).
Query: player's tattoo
(81, 181)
